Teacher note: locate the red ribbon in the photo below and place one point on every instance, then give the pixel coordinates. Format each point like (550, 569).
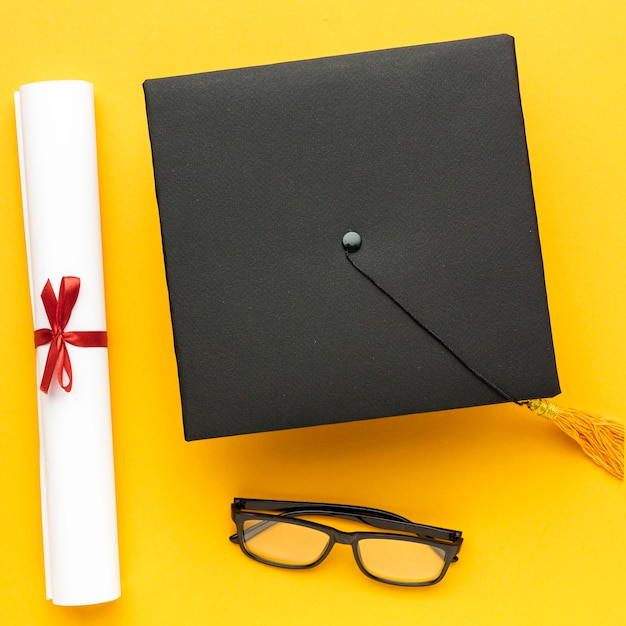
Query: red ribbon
(58, 312)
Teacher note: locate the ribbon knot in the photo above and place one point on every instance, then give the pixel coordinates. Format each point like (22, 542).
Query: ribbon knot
(59, 312)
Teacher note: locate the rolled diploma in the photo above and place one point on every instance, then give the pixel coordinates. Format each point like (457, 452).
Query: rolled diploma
(58, 165)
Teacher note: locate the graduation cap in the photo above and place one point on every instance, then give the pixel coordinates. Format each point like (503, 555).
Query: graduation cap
(353, 237)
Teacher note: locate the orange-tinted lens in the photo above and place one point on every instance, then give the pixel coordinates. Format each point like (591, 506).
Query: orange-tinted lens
(284, 543)
(401, 561)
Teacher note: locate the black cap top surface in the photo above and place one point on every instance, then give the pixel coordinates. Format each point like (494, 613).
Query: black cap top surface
(418, 157)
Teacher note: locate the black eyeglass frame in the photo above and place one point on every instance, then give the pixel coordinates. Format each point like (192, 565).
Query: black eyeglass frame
(448, 541)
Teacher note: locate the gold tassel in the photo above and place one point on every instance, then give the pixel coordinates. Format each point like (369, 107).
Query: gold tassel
(601, 438)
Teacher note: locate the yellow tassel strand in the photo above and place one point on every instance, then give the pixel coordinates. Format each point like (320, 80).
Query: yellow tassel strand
(601, 438)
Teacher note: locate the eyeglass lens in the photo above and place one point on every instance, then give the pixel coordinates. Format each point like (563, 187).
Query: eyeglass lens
(394, 560)
(284, 543)
(401, 561)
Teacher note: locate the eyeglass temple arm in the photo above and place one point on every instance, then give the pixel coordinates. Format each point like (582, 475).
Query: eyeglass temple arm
(374, 517)
(260, 526)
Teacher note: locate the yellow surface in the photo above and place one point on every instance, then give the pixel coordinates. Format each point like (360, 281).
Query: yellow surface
(545, 529)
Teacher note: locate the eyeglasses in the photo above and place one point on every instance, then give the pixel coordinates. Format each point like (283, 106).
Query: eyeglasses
(412, 555)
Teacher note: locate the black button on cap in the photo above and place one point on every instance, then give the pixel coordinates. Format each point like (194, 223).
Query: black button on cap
(352, 241)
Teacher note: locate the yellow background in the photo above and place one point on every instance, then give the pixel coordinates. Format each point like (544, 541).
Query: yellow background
(545, 528)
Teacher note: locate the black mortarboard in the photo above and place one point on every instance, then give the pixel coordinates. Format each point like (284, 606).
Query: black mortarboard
(261, 171)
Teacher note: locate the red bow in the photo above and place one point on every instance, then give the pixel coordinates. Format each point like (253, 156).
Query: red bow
(58, 312)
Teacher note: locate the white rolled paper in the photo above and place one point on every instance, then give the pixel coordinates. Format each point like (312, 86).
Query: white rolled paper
(58, 165)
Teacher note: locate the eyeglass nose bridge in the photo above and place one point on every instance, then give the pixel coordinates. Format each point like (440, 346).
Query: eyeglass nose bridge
(344, 538)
